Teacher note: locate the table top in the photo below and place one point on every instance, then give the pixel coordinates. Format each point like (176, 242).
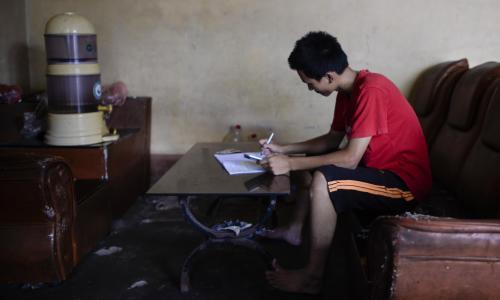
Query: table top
(199, 173)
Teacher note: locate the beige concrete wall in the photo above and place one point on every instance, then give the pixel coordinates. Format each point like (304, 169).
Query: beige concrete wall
(13, 46)
(208, 64)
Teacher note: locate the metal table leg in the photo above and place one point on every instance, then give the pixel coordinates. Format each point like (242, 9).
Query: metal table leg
(243, 239)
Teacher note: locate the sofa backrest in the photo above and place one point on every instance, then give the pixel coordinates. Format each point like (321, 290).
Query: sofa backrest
(431, 94)
(457, 135)
(479, 181)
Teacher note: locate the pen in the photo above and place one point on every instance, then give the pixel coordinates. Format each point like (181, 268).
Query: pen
(270, 138)
(251, 156)
(267, 142)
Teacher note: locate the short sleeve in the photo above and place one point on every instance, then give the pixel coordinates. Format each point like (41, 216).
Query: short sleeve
(370, 114)
(339, 121)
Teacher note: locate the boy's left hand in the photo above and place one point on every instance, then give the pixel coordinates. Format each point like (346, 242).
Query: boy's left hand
(278, 163)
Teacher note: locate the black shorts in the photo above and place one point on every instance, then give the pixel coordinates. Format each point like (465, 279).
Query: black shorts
(367, 190)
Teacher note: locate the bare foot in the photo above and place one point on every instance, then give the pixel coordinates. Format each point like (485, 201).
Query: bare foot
(294, 281)
(289, 235)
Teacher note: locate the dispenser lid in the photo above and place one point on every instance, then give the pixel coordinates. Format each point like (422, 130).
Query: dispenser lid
(69, 23)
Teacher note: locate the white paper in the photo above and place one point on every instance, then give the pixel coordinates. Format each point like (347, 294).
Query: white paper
(236, 163)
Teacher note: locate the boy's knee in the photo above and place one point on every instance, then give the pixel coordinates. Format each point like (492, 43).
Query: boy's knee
(318, 185)
(318, 179)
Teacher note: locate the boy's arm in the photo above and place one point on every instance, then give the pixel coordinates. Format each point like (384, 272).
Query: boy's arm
(319, 145)
(349, 157)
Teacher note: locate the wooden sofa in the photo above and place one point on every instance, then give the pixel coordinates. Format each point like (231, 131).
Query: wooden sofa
(56, 203)
(449, 248)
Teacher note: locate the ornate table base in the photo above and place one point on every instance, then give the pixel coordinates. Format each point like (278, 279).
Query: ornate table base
(218, 235)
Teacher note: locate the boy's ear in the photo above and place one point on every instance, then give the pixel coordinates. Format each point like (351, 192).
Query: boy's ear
(331, 76)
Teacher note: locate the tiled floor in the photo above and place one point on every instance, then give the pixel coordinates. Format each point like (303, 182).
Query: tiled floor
(154, 240)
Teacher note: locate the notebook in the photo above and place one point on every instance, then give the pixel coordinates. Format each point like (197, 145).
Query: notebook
(236, 163)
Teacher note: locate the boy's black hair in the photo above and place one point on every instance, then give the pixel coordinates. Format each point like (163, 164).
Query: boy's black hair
(317, 53)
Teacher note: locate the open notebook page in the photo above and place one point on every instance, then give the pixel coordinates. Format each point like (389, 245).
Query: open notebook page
(236, 163)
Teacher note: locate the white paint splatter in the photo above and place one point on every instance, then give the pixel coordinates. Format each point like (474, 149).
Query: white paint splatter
(32, 286)
(109, 251)
(166, 204)
(139, 283)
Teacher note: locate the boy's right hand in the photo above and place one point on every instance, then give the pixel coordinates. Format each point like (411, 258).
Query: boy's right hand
(270, 148)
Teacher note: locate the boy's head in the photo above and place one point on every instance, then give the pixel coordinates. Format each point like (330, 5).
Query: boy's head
(317, 53)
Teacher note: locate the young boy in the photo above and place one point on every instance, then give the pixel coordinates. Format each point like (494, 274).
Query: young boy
(382, 166)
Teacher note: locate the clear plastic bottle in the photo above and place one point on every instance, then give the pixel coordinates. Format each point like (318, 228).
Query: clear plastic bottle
(234, 134)
(237, 133)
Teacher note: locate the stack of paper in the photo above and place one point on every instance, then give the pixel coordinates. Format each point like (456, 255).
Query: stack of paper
(236, 163)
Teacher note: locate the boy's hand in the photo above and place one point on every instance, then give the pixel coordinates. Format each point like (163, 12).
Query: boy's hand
(278, 163)
(270, 148)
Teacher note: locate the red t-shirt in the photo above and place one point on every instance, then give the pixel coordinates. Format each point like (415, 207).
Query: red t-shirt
(378, 109)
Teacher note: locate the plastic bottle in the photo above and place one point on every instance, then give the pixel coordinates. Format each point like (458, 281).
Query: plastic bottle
(234, 134)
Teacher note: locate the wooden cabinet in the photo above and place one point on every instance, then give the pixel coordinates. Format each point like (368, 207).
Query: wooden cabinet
(108, 178)
(123, 164)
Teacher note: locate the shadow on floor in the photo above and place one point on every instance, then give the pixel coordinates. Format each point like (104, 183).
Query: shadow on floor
(152, 240)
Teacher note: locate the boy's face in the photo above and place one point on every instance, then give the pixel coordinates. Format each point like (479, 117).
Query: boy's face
(325, 86)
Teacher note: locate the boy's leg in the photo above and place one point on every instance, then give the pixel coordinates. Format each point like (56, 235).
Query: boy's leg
(334, 191)
(323, 222)
(292, 232)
